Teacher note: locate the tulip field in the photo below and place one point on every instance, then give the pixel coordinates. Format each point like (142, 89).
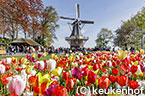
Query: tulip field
(65, 75)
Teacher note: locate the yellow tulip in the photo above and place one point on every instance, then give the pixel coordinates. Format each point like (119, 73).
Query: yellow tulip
(14, 60)
(97, 82)
(57, 71)
(23, 61)
(97, 71)
(122, 54)
(45, 78)
(136, 63)
(29, 69)
(73, 65)
(142, 74)
(44, 54)
(141, 51)
(136, 52)
(90, 67)
(71, 58)
(52, 56)
(41, 83)
(34, 55)
(102, 64)
(73, 53)
(86, 77)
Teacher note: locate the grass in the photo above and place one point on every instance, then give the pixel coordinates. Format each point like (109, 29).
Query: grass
(18, 57)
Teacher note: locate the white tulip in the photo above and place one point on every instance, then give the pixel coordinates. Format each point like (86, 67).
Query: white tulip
(51, 64)
(2, 69)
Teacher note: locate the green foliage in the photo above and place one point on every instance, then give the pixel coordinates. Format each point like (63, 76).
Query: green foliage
(6, 41)
(104, 37)
(49, 24)
(126, 35)
(42, 42)
(139, 20)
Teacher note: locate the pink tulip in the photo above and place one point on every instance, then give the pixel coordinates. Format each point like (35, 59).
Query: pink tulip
(17, 85)
(40, 64)
(4, 61)
(2, 69)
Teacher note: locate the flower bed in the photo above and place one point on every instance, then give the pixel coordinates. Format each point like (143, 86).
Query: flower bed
(74, 74)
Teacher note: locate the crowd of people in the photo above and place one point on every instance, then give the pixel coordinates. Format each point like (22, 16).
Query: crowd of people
(23, 49)
(31, 49)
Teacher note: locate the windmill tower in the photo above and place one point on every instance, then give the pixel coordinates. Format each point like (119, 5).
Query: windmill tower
(76, 39)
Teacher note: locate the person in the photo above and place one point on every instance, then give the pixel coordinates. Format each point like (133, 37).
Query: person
(36, 50)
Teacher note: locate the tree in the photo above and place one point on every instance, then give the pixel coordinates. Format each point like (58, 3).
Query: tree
(17, 14)
(28, 17)
(126, 35)
(139, 20)
(48, 24)
(104, 38)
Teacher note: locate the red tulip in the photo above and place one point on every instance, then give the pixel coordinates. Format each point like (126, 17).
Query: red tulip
(91, 77)
(55, 82)
(13, 95)
(70, 83)
(122, 80)
(5, 80)
(59, 91)
(118, 62)
(65, 75)
(133, 68)
(133, 84)
(85, 71)
(115, 71)
(95, 66)
(100, 66)
(124, 68)
(114, 64)
(104, 82)
(112, 78)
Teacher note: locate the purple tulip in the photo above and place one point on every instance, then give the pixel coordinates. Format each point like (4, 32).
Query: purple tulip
(141, 63)
(39, 55)
(32, 59)
(139, 55)
(76, 73)
(28, 57)
(49, 90)
(142, 68)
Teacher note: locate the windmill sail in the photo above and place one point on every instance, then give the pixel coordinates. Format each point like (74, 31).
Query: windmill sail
(66, 18)
(77, 11)
(87, 22)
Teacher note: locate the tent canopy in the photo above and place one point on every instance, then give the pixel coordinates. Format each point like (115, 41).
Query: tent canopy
(25, 41)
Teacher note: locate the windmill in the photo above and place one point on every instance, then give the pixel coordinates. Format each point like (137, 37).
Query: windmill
(76, 39)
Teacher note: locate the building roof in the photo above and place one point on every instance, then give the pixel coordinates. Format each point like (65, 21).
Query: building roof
(27, 41)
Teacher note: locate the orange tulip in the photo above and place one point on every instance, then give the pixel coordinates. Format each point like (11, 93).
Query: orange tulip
(32, 80)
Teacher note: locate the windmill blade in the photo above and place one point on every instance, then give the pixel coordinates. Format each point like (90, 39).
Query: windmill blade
(77, 11)
(66, 18)
(87, 22)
